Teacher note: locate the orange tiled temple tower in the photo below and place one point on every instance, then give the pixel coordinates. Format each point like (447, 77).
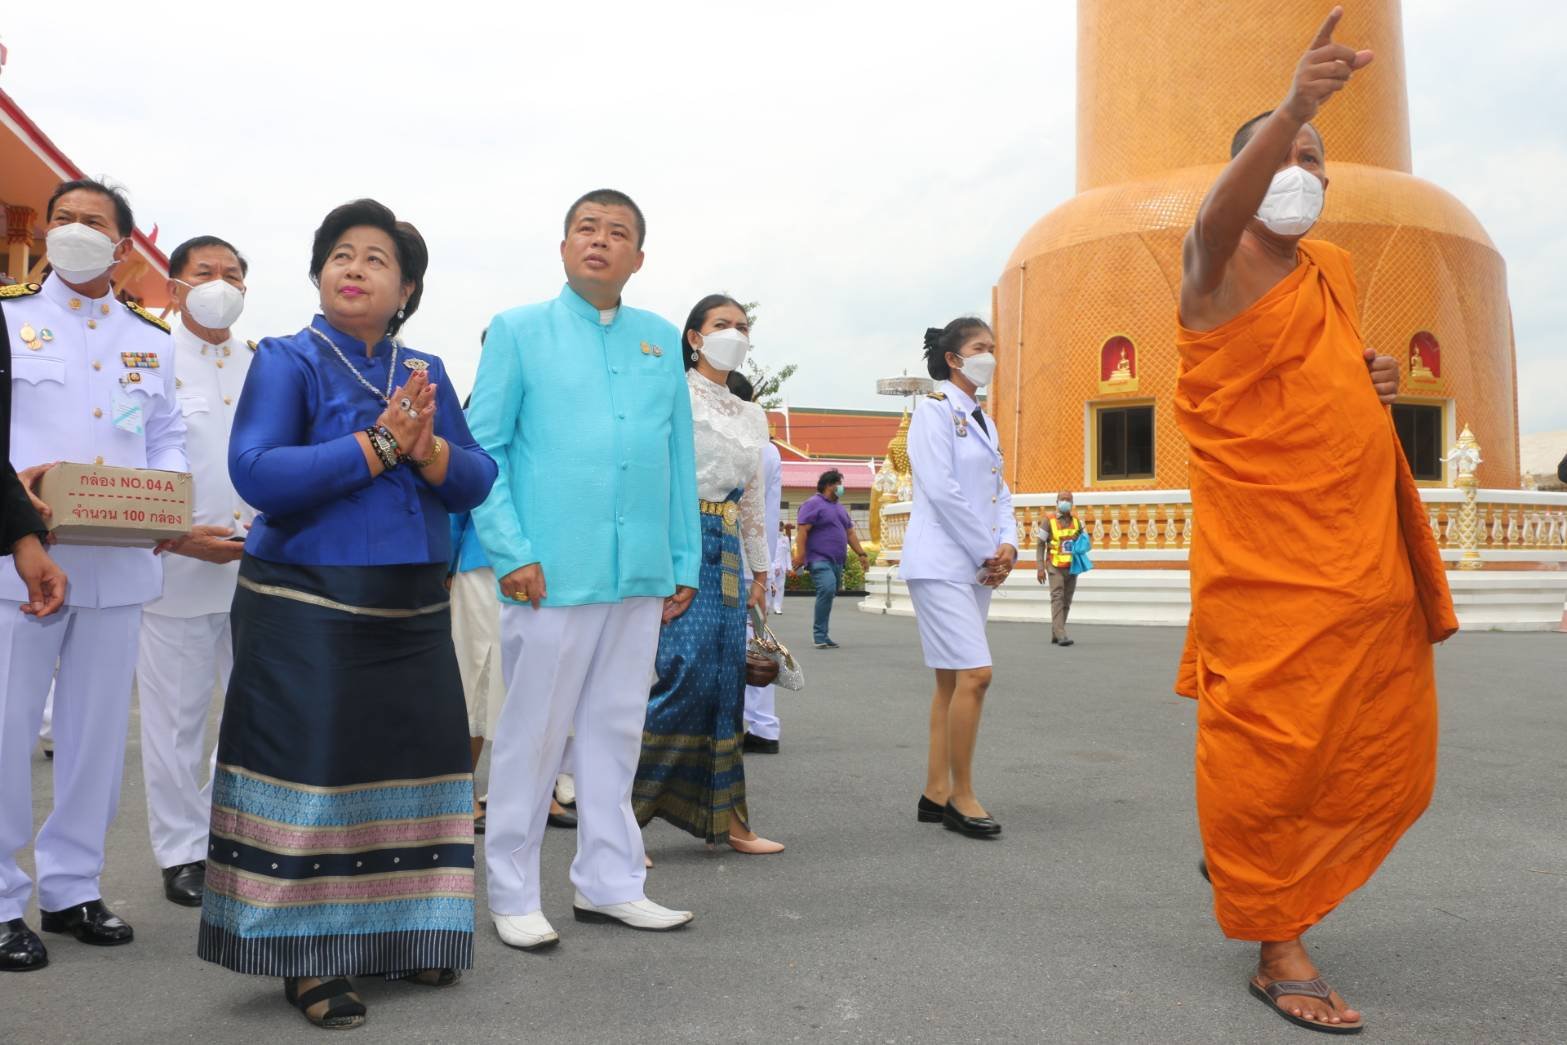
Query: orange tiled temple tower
(1085, 309)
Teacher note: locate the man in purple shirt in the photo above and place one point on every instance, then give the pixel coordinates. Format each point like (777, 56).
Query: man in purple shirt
(825, 533)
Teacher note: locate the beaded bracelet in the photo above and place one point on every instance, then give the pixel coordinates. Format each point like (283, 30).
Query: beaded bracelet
(384, 443)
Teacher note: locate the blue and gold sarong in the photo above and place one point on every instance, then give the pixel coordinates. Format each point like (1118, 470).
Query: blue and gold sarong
(691, 773)
(342, 806)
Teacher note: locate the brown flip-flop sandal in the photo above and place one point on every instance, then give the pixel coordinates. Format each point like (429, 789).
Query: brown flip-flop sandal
(1271, 994)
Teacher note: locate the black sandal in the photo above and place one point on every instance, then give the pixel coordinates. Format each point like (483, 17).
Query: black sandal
(435, 977)
(342, 1012)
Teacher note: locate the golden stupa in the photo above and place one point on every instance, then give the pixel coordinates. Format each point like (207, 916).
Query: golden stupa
(1085, 309)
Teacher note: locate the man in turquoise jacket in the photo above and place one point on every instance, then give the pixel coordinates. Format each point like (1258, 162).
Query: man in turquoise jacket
(592, 529)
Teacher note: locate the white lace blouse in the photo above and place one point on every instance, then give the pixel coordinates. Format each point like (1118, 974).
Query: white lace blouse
(729, 435)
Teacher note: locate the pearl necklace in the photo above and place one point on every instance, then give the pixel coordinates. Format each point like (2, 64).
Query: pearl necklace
(391, 368)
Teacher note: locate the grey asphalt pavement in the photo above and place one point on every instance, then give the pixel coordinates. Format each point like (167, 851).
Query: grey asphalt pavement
(1086, 922)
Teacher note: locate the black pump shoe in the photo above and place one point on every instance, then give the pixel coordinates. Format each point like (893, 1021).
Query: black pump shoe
(91, 922)
(930, 812)
(973, 826)
(20, 948)
(184, 883)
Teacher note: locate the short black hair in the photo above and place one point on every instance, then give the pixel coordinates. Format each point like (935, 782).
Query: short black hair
(413, 257)
(741, 386)
(609, 198)
(1246, 130)
(695, 320)
(950, 338)
(831, 477)
(124, 220)
(181, 256)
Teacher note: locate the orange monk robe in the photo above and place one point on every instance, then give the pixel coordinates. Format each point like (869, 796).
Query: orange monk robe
(1317, 593)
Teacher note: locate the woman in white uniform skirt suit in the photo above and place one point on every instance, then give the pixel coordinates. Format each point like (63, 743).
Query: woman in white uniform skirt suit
(960, 544)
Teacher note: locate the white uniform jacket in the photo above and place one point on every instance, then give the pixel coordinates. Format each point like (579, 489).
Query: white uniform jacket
(962, 507)
(89, 363)
(207, 394)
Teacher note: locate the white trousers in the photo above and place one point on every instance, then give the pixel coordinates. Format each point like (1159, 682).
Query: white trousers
(761, 708)
(476, 632)
(180, 661)
(761, 712)
(582, 666)
(96, 653)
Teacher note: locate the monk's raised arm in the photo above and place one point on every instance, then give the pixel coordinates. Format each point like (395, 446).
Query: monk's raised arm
(1259, 151)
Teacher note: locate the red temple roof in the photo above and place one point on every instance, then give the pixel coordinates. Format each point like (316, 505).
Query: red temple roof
(817, 433)
(31, 165)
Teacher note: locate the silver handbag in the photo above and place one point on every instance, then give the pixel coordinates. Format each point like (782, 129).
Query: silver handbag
(764, 643)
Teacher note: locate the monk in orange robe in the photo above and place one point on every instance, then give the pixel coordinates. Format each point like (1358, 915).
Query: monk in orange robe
(1317, 587)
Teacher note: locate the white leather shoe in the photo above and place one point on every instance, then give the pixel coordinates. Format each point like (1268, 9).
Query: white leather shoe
(638, 914)
(526, 932)
(565, 790)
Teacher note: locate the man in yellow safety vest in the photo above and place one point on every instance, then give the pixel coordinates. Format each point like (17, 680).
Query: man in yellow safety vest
(1055, 565)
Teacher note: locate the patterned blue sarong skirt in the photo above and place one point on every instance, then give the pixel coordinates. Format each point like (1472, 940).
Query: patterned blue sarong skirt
(691, 773)
(342, 805)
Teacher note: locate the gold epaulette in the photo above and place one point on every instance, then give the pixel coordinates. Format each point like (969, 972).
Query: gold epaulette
(940, 397)
(252, 345)
(142, 313)
(19, 290)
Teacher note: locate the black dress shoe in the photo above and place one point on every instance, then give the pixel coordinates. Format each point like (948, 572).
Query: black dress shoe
(1064, 642)
(930, 812)
(89, 922)
(754, 745)
(566, 820)
(20, 948)
(184, 883)
(973, 826)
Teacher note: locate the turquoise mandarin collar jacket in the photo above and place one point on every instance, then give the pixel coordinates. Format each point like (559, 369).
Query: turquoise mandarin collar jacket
(590, 425)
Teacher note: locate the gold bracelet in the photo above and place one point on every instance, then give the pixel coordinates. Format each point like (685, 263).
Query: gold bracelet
(435, 452)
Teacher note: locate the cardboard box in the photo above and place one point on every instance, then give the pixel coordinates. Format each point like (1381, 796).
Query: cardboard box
(120, 507)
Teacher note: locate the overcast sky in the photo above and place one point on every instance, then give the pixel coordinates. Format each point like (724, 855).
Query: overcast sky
(863, 170)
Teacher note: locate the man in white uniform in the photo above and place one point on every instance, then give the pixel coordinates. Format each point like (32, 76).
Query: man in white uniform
(185, 644)
(92, 381)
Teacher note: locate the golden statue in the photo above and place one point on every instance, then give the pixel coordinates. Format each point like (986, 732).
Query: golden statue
(1153, 129)
(894, 480)
(1122, 373)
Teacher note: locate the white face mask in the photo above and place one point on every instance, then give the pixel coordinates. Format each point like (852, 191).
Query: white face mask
(725, 349)
(1293, 202)
(979, 368)
(79, 254)
(215, 304)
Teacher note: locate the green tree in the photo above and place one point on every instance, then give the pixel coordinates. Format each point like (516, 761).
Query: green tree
(768, 383)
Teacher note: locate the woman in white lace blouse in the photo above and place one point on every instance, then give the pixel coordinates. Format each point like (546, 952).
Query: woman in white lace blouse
(691, 773)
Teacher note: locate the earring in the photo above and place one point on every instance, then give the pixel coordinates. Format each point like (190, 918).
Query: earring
(694, 357)
(399, 313)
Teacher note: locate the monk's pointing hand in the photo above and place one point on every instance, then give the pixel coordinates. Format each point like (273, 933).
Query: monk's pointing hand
(1323, 70)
